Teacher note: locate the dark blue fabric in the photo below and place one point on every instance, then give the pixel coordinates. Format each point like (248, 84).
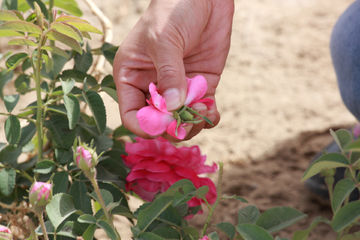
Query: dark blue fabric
(345, 54)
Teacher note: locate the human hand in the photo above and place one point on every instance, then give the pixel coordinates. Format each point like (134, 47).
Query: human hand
(173, 39)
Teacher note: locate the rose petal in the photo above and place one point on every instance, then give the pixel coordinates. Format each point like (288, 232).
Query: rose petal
(133, 175)
(171, 129)
(197, 87)
(207, 101)
(156, 99)
(152, 166)
(152, 121)
(149, 186)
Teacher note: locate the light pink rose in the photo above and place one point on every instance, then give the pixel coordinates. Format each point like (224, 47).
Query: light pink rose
(156, 119)
(156, 164)
(5, 233)
(40, 194)
(86, 159)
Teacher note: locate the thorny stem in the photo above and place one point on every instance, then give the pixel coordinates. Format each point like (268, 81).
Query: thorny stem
(218, 198)
(93, 181)
(39, 125)
(42, 224)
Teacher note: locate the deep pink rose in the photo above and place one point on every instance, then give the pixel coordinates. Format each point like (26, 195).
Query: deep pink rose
(156, 119)
(156, 164)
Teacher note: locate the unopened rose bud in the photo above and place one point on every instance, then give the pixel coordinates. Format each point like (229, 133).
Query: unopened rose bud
(86, 158)
(5, 233)
(40, 194)
(205, 238)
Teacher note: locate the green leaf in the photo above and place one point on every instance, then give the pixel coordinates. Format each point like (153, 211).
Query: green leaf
(22, 83)
(111, 92)
(7, 183)
(83, 27)
(69, 229)
(341, 191)
(109, 52)
(45, 87)
(304, 234)
(353, 146)
(107, 228)
(11, 101)
(61, 182)
(167, 233)
(12, 129)
(79, 77)
(79, 192)
(183, 195)
(67, 30)
(354, 157)
(202, 191)
(170, 216)
(44, 167)
(56, 50)
(69, 6)
(48, 226)
(57, 108)
(149, 236)
(107, 196)
(213, 236)
(67, 85)
(27, 133)
(14, 60)
(87, 218)
(6, 15)
(73, 109)
(97, 108)
(83, 61)
(235, 197)
(60, 207)
(54, 35)
(353, 236)
(69, 18)
(249, 214)
(342, 137)
(227, 228)
(63, 156)
(277, 218)
(123, 211)
(147, 216)
(5, 77)
(122, 131)
(252, 232)
(60, 132)
(325, 162)
(21, 26)
(22, 41)
(9, 33)
(345, 216)
(89, 233)
(9, 155)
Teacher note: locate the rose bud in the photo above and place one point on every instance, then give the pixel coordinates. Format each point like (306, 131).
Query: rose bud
(5, 233)
(86, 158)
(40, 194)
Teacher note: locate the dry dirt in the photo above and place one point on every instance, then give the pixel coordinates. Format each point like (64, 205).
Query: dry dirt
(278, 97)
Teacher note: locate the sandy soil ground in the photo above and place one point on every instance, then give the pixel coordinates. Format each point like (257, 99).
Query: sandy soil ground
(278, 97)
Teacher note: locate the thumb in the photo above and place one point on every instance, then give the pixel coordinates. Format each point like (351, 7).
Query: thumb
(172, 82)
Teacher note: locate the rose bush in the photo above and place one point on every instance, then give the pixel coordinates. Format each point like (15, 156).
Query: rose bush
(157, 164)
(156, 119)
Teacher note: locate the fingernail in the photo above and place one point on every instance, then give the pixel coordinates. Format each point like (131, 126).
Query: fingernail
(172, 99)
(211, 115)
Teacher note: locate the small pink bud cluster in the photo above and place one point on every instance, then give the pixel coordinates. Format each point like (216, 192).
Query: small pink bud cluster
(40, 194)
(86, 158)
(5, 233)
